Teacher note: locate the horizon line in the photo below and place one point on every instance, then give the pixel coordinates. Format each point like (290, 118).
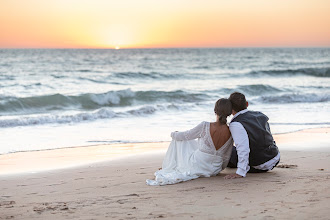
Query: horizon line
(136, 48)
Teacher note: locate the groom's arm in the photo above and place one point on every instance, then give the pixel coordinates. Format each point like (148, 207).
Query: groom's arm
(241, 140)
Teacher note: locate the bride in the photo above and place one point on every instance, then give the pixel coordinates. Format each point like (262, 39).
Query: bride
(187, 158)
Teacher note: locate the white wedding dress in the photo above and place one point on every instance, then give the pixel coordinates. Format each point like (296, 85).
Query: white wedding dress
(187, 158)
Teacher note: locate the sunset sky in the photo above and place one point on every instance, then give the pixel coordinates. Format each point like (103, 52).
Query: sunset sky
(164, 23)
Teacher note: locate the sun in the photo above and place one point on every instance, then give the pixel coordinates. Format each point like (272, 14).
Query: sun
(117, 36)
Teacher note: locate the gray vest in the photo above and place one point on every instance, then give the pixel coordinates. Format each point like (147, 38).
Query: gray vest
(262, 145)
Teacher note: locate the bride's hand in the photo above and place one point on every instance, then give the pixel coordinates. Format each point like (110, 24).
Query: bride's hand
(232, 176)
(172, 133)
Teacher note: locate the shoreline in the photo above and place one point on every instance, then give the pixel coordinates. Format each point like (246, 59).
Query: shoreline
(321, 129)
(93, 145)
(72, 157)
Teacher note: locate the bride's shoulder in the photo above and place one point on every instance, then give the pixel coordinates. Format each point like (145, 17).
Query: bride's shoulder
(205, 123)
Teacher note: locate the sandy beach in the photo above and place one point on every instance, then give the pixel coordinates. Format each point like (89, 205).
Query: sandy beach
(108, 182)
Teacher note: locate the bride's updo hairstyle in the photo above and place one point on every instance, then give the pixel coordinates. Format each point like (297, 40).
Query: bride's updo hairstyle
(223, 109)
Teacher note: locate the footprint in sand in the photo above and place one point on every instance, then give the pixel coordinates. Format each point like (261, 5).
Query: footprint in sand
(134, 194)
(195, 188)
(157, 215)
(6, 196)
(286, 166)
(313, 200)
(7, 204)
(42, 207)
(122, 201)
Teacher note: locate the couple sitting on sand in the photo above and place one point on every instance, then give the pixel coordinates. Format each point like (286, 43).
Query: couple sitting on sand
(255, 150)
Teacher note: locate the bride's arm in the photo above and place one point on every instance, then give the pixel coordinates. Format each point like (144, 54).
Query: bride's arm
(189, 134)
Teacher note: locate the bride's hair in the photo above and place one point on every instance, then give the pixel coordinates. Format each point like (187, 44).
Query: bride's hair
(223, 109)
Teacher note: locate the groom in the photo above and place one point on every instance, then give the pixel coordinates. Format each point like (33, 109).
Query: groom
(255, 150)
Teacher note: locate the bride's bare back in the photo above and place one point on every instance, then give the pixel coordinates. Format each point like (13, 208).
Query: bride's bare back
(219, 134)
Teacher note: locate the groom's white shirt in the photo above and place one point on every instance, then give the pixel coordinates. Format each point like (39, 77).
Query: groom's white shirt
(241, 140)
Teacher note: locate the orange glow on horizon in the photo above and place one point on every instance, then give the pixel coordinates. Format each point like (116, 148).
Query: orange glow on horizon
(170, 23)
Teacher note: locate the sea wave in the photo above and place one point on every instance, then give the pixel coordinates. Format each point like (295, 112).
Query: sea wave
(59, 119)
(77, 117)
(10, 105)
(310, 71)
(248, 90)
(317, 72)
(90, 101)
(145, 75)
(258, 89)
(295, 98)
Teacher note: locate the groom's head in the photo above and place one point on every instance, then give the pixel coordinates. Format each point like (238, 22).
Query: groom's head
(238, 102)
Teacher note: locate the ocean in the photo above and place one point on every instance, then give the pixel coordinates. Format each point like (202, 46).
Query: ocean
(55, 98)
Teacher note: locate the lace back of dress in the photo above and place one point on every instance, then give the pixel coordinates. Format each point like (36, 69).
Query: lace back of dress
(207, 145)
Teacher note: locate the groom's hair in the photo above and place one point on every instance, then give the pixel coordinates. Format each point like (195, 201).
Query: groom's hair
(238, 101)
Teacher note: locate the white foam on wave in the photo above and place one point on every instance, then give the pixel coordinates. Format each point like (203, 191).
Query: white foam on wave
(295, 97)
(53, 118)
(147, 110)
(112, 97)
(77, 117)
